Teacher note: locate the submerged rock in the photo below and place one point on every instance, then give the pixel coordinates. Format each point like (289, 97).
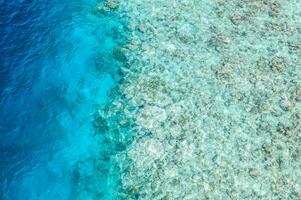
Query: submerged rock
(108, 5)
(100, 124)
(278, 64)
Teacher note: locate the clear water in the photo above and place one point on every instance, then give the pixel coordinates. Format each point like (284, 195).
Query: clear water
(56, 67)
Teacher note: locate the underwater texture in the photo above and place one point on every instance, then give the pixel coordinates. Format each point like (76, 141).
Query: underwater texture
(210, 103)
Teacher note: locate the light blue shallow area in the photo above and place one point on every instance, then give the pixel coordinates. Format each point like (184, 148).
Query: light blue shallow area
(56, 68)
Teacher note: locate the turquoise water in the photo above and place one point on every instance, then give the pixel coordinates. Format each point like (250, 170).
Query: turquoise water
(57, 68)
(181, 100)
(214, 91)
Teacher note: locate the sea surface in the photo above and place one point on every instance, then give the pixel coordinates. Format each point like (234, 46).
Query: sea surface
(56, 68)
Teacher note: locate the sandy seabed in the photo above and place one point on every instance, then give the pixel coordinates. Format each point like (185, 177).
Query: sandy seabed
(210, 103)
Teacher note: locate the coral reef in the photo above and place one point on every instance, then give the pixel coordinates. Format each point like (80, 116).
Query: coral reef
(210, 103)
(108, 6)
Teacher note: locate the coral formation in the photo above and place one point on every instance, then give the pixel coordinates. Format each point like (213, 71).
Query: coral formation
(108, 5)
(209, 106)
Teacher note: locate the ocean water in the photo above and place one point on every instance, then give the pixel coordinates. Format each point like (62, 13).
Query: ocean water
(56, 68)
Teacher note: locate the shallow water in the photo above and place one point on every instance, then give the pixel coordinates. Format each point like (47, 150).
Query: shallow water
(213, 89)
(56, 68)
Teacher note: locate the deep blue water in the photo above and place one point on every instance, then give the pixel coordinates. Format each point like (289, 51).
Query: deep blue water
(56, 68)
